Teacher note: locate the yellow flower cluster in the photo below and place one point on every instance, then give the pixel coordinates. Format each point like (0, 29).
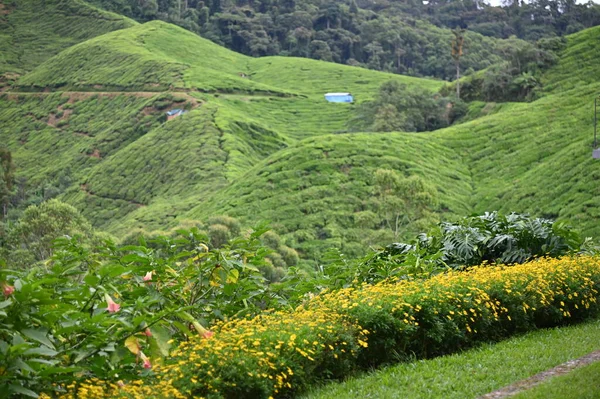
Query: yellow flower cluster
(282, 351)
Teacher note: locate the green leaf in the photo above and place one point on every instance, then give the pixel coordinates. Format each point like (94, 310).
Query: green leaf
(42, 351)
(21, 365)
(6, 303)
(42, 361)
(91, 279)
(161, 337)
(248, 266)
(112, 270)
(18, 348)
(39, 336)
(58, 370)
(23, 391)
(182, 327)
(82, 355)
(232, 276)
(134, 258)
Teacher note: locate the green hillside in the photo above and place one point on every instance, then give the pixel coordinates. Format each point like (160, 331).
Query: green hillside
(122, 165)
(320, 192)
(158, 56)
(259, 142)
(537, 157)
(31, 31)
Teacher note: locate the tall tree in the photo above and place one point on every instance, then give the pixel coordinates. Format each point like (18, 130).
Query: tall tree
(403, 201)
(7, 178)
(457, 52)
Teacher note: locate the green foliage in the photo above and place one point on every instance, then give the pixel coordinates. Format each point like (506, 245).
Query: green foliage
(219, 231)
(403, 38)
(319, 193)
(487, 239)
(34, 30)
(256, 156)
(338, 332)
(515, 79)
(403, 202)
(30, 239)
(7, 179)
(98, 311)
(398, 108)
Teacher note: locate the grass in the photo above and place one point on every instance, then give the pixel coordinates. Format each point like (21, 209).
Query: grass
(472, 373)
(581, 383)
(158, 56)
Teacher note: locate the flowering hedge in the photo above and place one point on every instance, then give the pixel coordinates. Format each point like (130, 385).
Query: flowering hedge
(335, 333)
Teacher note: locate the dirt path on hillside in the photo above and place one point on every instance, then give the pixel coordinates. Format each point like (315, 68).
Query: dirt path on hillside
(82, 95)
(539, 378)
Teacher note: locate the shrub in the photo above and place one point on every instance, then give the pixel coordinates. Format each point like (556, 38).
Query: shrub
(278, 353)
(101, 312)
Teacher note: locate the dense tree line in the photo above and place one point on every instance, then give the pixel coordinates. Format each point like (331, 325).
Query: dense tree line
(409, 37)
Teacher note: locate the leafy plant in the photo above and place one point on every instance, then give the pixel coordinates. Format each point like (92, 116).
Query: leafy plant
(113, 311)
(341, 331)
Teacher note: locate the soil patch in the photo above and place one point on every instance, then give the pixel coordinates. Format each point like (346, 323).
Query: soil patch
(96, 154)
(53, 119)
(4, 10)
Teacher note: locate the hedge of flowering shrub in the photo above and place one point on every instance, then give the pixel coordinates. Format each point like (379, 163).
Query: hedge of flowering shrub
(335, 333)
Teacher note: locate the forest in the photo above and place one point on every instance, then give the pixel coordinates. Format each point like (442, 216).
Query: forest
(408, 37)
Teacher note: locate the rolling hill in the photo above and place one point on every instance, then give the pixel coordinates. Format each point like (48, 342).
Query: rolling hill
(260, 143)
(32, 31)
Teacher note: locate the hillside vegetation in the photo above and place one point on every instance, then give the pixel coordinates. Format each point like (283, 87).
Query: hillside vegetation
(260, 143)
(31, 31)
(407, 37)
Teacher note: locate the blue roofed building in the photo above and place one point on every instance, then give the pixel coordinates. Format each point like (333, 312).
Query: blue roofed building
(339, 97)
(174, 113)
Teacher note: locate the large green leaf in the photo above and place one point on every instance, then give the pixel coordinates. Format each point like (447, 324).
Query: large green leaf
(42, 351)
(38, 335)
(22, 391)
(5, 304)
(160, 337)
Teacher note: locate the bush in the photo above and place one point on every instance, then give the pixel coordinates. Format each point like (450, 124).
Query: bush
(278, 353)
(398, 107)
(107, 312)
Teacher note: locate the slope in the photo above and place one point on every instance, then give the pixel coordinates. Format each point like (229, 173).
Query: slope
(525, 158)
(32, 31)
(320, 193)
(153, 56)
(260, 146)
(155, 172)
(537, 157)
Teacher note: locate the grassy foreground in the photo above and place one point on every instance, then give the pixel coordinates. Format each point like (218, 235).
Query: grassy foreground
(482, 370)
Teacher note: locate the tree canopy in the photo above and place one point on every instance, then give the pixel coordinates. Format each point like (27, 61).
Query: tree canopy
(408, 37)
